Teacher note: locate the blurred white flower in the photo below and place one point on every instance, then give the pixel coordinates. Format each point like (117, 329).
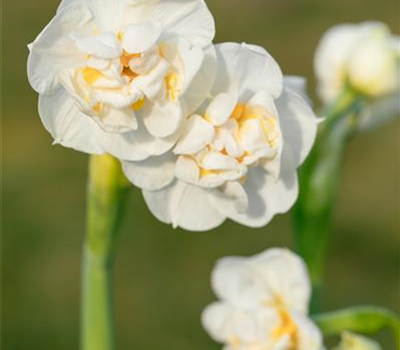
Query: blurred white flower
(263, 304)
(119, 76)
(237, 155)
(366, 57)
(351, 341)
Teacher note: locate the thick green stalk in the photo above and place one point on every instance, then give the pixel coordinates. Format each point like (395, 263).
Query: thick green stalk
(362, 319)
(319, 181)
(107, 190)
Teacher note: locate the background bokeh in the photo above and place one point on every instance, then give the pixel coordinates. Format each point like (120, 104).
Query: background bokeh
(162, 275)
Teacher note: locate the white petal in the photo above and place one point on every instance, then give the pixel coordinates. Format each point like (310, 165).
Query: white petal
(217, 321)
(267, 197)
(232, 193)
(146, 62)
(97, 63)
(184, 206)
(190, 19)
(286, 276)
(108, 14)
(298, 124)
(187, 170)
(199, 88)
(252, 69)
(226, 323)
(297, 84)
(116, 120)
(104, 45)
(151, 174)
(234, 280)
(197, 133)
(162, 119)
(54, 49)
(192, 58)
(309, 336)
(67, 124)
(153, 83)
(221, 107)
(264, 99)
(219, 161)
(140, 37)
(134, 145)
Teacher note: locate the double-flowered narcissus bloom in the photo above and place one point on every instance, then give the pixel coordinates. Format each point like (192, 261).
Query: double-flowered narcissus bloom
(366, 58)
(263, 304)
(119, 76)
(238, 153)
(351, 341)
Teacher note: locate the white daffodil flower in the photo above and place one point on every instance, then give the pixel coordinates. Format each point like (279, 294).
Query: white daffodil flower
(263, 304)
(366, 57)
(351, 341)
(237, 155)
(119, 76)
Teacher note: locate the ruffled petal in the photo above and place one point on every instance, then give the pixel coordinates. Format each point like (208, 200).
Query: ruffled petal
(162, 119)
(117, 120)
(234, 280)
(250, 67)
(198, 89)
(185, 206)
(151, 174)
(267, 197)
(197, 133)
(134, 145)
(67, 124)
(190, 19)
(55, 49)
(309, 336)
(140, 37)
(104, 45)
(187, 170)
(152, 85)
(285, 275)
(299, 124)
(227, 324)
(107, 14)
(232, 193)
(221, 107)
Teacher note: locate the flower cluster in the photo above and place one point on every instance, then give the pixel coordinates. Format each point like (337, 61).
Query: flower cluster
(263, 304)
(208, 132)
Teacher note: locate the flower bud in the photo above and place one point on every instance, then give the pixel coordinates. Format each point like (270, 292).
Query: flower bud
(373, 66)
(351, 341)
(364, 56)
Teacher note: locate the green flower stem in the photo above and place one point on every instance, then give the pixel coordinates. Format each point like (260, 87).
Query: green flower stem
(107, 191)
(366, 320)
(319, 181)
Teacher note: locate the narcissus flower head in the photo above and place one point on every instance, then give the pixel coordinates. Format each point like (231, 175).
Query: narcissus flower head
(365, 56)
(119, 76)
(238, 153)
(263, 304)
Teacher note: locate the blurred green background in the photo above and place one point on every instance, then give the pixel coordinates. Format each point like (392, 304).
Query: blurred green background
(162, 275)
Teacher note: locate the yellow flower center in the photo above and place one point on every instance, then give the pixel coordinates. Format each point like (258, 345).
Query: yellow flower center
(287, 327)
